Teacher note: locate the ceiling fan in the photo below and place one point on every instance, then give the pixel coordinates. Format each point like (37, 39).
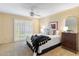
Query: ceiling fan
(32, 13)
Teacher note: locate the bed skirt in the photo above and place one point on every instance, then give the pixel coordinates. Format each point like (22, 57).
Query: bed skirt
(45, 50)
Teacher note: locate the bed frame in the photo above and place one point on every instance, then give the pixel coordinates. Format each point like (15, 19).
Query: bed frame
(45, 50)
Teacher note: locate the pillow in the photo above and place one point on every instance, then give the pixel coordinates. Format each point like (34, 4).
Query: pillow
(54, 32)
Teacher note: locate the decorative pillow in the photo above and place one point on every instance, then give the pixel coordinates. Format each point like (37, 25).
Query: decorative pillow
(54, 32)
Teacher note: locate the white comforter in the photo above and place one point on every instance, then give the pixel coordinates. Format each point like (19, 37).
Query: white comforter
(55, 39)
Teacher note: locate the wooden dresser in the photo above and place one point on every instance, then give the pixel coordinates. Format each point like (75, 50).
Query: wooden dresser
(69, 41)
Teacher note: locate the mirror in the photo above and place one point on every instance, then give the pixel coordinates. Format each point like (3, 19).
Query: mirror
(71, 24)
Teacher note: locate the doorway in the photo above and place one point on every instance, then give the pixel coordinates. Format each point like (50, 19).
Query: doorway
(22, 28)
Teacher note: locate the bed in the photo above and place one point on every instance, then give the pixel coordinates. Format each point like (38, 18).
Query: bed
(54, 42)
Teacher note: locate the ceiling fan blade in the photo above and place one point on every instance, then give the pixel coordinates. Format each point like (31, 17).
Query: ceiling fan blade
(36, 14)
(32, 13)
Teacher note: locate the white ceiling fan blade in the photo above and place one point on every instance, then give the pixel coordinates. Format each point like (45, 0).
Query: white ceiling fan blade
(32, 13)
(36, 14)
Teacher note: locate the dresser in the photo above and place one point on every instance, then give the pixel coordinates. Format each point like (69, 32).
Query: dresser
(69, 41)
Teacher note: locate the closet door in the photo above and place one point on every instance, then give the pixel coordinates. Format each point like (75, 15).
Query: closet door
(22, 28)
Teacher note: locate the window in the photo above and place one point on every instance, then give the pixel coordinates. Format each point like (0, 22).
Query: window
(21, 29)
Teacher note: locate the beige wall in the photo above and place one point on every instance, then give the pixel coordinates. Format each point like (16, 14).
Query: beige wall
(6, 26)
(36, 24)
(60, 17)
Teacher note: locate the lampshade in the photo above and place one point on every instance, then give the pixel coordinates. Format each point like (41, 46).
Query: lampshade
(42, 29)
(65, 28)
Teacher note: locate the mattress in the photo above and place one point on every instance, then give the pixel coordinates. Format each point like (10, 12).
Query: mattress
(55, 39)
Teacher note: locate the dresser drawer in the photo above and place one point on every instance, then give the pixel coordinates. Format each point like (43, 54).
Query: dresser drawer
(69, 40)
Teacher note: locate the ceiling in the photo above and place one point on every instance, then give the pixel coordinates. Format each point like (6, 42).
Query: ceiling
(42, 9)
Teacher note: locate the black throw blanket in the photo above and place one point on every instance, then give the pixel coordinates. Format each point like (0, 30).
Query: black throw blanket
(38, 40)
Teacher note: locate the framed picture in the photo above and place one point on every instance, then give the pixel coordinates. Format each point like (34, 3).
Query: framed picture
(54, 25)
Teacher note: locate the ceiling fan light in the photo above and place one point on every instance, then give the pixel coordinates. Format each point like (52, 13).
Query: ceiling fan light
(36, 16)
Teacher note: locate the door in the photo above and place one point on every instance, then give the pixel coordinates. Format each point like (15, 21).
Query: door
(22, 28)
